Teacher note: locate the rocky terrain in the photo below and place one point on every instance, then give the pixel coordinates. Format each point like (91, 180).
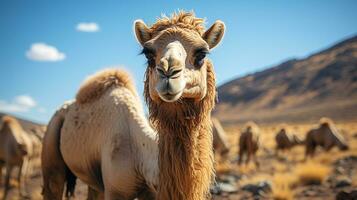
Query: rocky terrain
(282, 177)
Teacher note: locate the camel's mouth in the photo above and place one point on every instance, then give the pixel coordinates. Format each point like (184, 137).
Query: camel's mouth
(168, 97)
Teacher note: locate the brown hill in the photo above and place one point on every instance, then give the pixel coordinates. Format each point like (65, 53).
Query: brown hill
(28, 126)
(323, 84)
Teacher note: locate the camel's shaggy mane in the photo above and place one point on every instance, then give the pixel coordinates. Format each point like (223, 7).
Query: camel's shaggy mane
(94, 86)
(185, 142)
(182, 19)
(326, 122)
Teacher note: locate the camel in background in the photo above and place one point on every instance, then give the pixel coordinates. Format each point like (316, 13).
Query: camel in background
(15, 151)
(220, 143)
(326, 136)
(286, 141)
(104, 139)
(249, 143)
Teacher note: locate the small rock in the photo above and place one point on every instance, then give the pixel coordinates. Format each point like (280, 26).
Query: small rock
(232, 179)
(258, 189)
(222, 187)
(310, 193)
(343, 182)
(226, 187)
(215, 190)
(340, 170)
(342, 195)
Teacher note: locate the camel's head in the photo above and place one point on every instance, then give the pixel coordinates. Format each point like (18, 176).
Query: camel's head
(282, 130)
(176, 50)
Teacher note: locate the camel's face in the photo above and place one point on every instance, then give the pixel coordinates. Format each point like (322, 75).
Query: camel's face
(177, 60)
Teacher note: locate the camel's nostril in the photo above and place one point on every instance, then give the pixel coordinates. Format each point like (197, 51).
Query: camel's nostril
(172, 74)
(161, 72)
(175, 73)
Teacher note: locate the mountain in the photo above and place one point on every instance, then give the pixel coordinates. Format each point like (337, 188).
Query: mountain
(298, 90)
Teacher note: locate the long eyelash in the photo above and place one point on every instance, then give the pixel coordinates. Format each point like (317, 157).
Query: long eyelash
(141, 52)
(202, 50)
(146, 51)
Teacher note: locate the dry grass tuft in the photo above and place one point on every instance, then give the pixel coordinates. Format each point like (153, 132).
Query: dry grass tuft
(223, 168)
(282, 194)
(257, 178)
(282, 186)
(280, 167)
(311, 173)
(246, 169)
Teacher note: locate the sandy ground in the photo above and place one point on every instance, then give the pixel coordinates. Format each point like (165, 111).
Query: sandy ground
(340, 164)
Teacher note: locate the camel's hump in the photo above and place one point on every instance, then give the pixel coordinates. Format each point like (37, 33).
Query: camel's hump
(95, 85)
(9, 120)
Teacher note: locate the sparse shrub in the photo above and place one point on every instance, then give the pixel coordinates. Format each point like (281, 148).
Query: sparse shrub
(311, 173)
(280, 167)
(283, 194)
(223, 167)
(282, 186)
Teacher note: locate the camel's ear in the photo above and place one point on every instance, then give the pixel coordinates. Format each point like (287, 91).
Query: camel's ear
(142, 32)
(214, 34)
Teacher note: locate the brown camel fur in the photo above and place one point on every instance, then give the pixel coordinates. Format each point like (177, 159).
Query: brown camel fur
(15, 151)
(325, 136)
(249, 143)
(286, 141)
(176, 49)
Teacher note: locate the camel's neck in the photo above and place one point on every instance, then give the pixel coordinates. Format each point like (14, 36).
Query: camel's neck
(185, 160)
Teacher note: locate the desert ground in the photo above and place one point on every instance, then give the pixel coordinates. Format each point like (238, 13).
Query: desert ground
(283, 176)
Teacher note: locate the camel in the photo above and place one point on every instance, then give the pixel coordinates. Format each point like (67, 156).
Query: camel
(325, 135)
(220, 144)
(285, 141)
(180, 110)
(15, 151)
(249, 143)
(104, 139)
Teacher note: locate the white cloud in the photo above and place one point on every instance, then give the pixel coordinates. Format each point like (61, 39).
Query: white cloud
(22, 103)
(25, 100)
(87, 27)
(44, 52)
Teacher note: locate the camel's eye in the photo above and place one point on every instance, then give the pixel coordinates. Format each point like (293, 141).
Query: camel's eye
(200, 56)
(150, 55)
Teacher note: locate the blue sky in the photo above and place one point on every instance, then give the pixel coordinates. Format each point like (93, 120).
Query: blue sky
(259, 34)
